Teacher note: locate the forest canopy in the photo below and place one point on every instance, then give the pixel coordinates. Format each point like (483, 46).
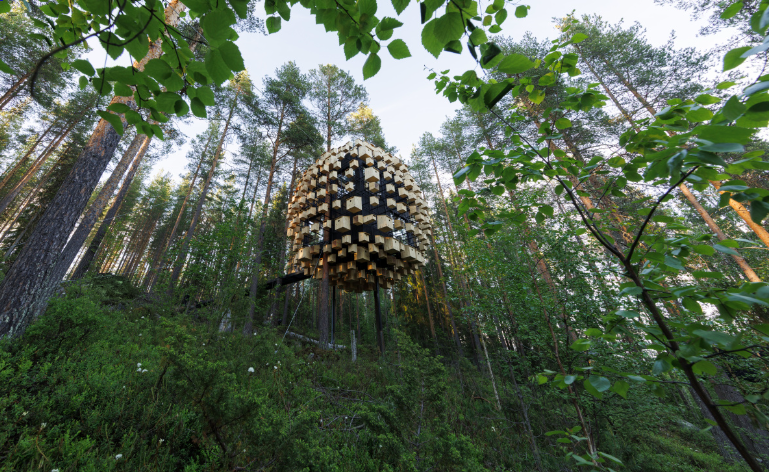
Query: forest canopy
(593, 294)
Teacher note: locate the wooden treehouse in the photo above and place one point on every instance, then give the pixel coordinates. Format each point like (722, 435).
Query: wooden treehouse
(358, 212)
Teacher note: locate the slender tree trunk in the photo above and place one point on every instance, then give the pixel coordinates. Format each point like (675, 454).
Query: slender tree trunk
(199, 208)
(25, 291)
(14, 90)
(20, 163)
(429, 310)
(13, 193)
(93, 247)
(134, 153)
(762, 234)
(746, 269)
(167, 243)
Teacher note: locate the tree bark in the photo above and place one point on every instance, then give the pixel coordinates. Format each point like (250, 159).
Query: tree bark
(93, 247)
(199, 207)
(167, 243)
(25, 291)
(746, 269)
(14, 90)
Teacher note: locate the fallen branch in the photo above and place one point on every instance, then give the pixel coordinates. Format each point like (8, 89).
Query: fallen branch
(314, 341)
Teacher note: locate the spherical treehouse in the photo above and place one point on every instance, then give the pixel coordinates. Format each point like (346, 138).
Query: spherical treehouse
(358, 212)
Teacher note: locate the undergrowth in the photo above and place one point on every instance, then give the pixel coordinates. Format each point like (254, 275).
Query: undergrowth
(122, 386)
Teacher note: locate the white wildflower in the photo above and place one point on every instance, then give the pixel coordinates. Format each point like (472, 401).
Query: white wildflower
(25, 413)
(250, 369)
(161, 441)
(118, 457)
(138, 364)
(54, 470)
(276, 367)
(144, 370)
(140, 334)
(44, 425)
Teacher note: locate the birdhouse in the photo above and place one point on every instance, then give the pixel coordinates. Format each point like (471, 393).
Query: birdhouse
(384, 223)
(342, 224)
(354, 204)
(344, 188)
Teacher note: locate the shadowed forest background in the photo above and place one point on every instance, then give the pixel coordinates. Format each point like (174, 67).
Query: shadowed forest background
(593, 297)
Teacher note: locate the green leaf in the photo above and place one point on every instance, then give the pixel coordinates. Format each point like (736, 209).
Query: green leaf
(521, 11)
(758, 210)
(398, 49)
(216, 67)
(704, 249)
(216, 24)
(273, 24)
(699, 114)
(367, 7)
(83, 66)
(158, 69)
(478, 37)
(351, 48)
(181, 108)
(400, 5)
(500, 17)
(541, 379)
(725, 250)
(715, 337)
(705, 367)
(384, 30)
(515, 64)
(724, 134)
(240, 7)
(628, 313)
(5, 7)
(3, 66)
(198, 109)
(600, 383)
(562, 123)
(578, 38)
(621, 388)
(734, 58)
(112, 119)
(495, 93)
(660, 366)
(592, 390)
(231, 56)
(569, 379)
(166, 102)
(83, 82)
(429, 40)
(731, 10)
(449, 27)
(371, 66)
(206, 96)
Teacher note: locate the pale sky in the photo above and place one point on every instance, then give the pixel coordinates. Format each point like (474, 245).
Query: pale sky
(400, 94)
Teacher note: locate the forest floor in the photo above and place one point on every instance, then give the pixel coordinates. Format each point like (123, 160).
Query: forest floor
(103, 383)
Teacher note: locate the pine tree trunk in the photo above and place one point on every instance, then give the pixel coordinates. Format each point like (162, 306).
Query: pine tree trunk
(25, 291)
(13, 193)
(172, 235)
(199, 207)
(248, 327)
(762, 234)
(746, 269)
(134, 153)
(14, 90)
(93, 247)
(20, 163)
